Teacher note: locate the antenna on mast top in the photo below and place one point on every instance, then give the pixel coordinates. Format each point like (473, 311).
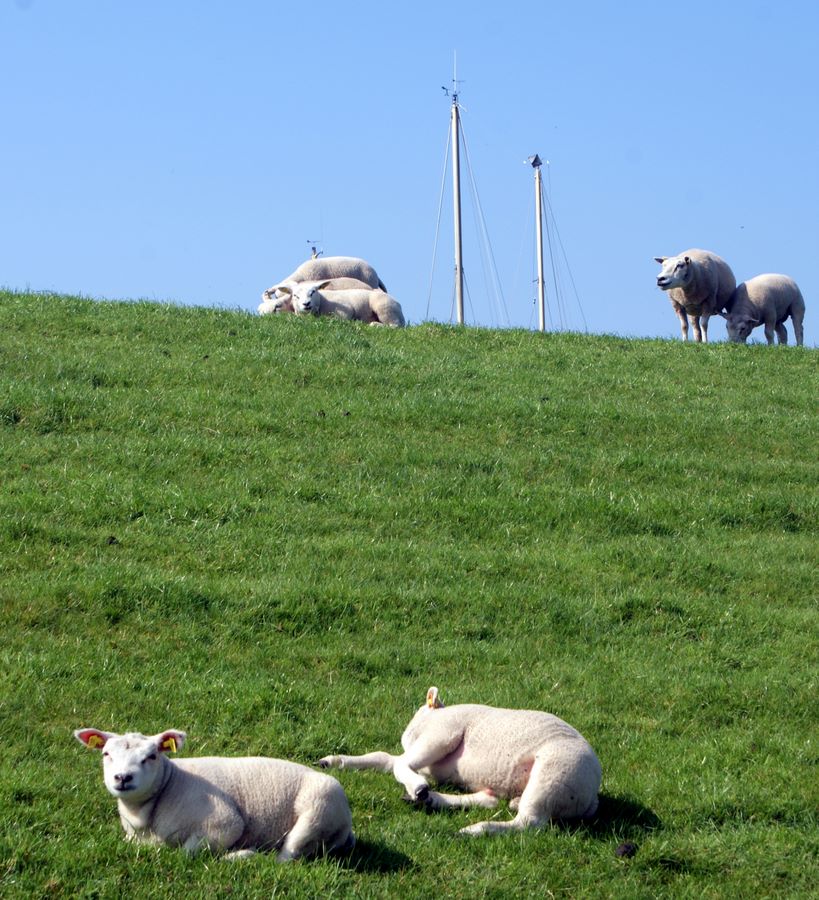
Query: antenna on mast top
(455, 81)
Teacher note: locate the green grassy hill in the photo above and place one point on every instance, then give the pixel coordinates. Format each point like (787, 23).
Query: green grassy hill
(276, 534)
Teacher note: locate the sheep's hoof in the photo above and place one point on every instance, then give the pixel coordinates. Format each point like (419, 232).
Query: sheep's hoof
(421, 799)
(326, 762)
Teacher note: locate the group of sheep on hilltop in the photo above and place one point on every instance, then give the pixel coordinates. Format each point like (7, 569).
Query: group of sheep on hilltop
(700, 284)
(342, 286)
(240, 805)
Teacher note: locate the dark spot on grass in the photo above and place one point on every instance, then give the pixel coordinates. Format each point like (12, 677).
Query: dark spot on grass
(626, 850)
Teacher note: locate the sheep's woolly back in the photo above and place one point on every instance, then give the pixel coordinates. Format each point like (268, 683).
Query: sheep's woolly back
(327, 267)
(761, 291)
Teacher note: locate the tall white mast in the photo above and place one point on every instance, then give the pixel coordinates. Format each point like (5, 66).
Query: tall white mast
(456, 197)
(541, 285)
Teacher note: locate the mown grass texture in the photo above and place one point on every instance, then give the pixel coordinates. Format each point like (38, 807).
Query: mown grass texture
(275, 534)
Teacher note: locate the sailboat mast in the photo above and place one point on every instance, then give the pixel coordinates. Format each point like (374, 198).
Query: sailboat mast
(456, 201)
(541, 284)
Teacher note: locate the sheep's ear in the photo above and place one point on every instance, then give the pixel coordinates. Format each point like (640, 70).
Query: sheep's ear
(687, 259)
(433, 701)
(322, 284)
(170, 741)
(660, 259)
(93, 738)
(284, 288)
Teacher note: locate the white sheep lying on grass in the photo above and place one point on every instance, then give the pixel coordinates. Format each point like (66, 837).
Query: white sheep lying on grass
(766, 300)
(236, 805)
(315, 298)
(278, 298)
(700, 284)
(544, 766)
(328, 268)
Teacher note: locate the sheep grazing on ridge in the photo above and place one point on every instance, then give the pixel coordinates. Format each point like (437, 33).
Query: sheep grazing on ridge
(236, 805)
(544, 766)
(373, 306)
(278, 298)
(766, 300)
(700, 284)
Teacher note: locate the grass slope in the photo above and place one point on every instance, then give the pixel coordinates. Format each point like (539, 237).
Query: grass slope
(276, 534)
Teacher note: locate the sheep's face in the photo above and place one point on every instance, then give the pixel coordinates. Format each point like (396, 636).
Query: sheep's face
(739, 328)
(675, 272)
(271, 303)
(132, 764)
(276, 299)
(307, 298)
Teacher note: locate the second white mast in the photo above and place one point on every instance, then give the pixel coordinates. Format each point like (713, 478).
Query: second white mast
(456, 198)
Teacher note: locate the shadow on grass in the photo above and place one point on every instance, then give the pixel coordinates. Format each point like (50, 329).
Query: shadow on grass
(621, 817)
(373, 856)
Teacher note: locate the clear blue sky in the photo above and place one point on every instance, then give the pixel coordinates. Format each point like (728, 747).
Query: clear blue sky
(188, 151)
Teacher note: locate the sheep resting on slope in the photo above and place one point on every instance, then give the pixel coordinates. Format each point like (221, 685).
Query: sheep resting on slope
(329, 268)
(374, 307)
(236, 805)
(544, 766)
(700, 284)
(279, 298)
(766, 300)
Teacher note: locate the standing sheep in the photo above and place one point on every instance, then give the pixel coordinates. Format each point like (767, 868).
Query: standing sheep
(372, 306)
(236, 805)
(766, 300)
(700, 284)
(543, 765)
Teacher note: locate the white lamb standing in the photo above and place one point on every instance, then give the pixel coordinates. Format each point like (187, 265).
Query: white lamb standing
(544, 766)
(700, 284)
(236, 805)
(766, 300)
(278, 299)
(373, 306)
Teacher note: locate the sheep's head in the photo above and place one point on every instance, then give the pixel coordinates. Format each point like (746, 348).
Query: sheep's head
(675, 272)
(276, 299)
(307, 297)
(132, 764)
(740, 327)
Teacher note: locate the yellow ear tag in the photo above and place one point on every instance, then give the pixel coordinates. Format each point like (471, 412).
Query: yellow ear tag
(95, 741)
(169, 744)
(432, 698)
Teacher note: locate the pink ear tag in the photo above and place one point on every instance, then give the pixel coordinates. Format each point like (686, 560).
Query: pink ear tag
(95, 741)
(169, 744)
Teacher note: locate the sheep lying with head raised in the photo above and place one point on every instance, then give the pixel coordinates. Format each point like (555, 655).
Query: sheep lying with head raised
(279, 298)
(700, 284)
(543, 765)
(766, 300)
(330, 268)
(236, 805)
(315, 298)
